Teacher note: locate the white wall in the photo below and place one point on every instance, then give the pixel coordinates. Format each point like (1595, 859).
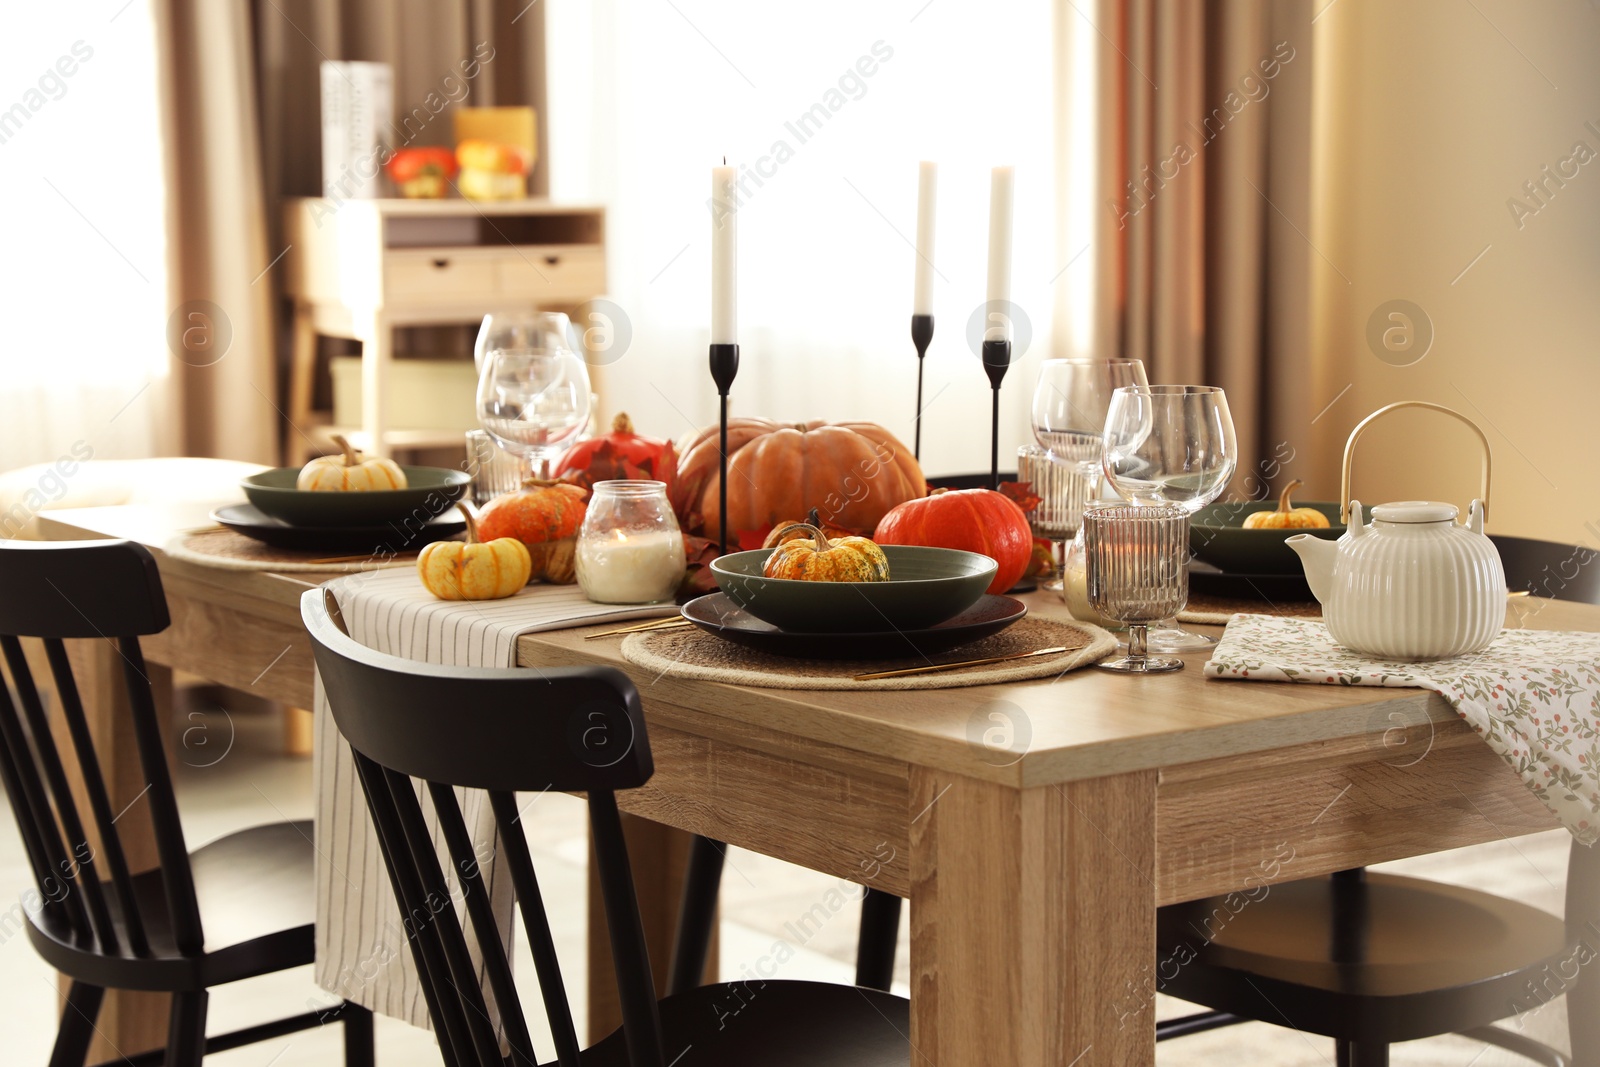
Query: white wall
(1432, 115)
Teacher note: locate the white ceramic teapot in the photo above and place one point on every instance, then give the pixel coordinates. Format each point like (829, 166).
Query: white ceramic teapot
(1412, 584)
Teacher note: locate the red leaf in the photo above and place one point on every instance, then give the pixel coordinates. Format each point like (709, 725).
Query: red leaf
(1021, 494)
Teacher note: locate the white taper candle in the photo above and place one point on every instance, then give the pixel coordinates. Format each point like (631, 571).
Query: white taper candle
(724, 255)
(998, 325)
(927, 187)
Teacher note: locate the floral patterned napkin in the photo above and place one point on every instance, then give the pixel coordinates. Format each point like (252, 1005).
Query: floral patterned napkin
(1533, 695)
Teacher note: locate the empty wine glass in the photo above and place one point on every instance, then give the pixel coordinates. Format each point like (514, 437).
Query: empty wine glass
(517, 329)
(533, 397)
(1136, 561)
(1170, 445)
(1070, 401)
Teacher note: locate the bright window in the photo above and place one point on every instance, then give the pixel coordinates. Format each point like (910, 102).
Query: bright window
(82, 356)
(646, 98)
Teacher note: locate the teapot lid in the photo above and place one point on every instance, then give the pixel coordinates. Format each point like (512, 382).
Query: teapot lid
(1411, 511)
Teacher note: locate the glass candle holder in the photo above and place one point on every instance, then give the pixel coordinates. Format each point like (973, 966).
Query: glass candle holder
(1136, 560)
(1063, 488)
(493, 469)
(630, 550)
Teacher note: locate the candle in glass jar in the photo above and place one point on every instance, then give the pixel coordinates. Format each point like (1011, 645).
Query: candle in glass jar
(1075, 585)
(631, 568)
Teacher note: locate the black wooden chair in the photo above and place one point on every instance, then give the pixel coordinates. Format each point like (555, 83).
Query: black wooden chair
(101, 924)
(879, 932)
(417, 728)
(1373, 959)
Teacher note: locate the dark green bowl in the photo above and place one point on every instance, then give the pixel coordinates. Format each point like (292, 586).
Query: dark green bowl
(1217, 535)
(926, 586)
(430, 491)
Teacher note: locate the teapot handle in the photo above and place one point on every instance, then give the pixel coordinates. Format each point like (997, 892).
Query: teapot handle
(1355, 435)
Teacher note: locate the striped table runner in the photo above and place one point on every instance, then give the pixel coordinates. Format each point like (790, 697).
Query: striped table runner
(362, 950)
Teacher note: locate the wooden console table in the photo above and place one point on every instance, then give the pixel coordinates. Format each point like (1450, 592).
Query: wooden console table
(361, 268)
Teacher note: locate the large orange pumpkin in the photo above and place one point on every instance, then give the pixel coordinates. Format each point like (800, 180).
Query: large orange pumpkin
(974, 520)
(853, 472)
(545, 516)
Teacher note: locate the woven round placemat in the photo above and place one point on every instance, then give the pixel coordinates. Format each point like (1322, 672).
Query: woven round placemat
(1205, 610)
(233, 551)
(694, 653)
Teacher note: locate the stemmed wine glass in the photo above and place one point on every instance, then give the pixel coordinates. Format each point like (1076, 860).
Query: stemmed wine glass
(508, 329)
(533, 390)
(1173, 445)
(1070, 401)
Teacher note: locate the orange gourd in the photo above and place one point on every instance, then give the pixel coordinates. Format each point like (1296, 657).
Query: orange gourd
(849, 559)
(545, 517)
(1287, 517)
(791, 529)
(854, 471)
(474, 570)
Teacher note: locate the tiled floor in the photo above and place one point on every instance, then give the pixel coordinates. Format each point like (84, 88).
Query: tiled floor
(252, 783)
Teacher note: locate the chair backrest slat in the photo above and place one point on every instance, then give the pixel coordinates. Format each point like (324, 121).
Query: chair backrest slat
(504, 731)
(636, 992)
(40, 837)
(475, 895)
(535, 920)
(80, 854)
(426, 950)
(436, 892)
(94, 786)
(177, 878)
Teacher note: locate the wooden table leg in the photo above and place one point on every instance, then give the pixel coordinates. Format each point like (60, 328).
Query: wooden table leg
(1033, 922)
(298, 730)
(659, 856)
(129, 1022)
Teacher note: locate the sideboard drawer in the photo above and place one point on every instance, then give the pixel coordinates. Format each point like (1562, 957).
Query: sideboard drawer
(438, 276)
(552, 274)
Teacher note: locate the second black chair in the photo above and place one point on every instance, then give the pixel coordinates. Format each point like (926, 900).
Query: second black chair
(420, 729)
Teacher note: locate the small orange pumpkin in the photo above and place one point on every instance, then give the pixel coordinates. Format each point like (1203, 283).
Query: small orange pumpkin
(473, 570)
(1287, 517)
(849, 559)
(544, 516)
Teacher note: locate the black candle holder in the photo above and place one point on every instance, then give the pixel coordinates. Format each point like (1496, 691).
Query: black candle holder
(724, 368)
(921, 336)
(996, 361)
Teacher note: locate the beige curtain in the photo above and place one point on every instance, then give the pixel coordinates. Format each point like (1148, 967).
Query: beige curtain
(1203, 182)
(242, 123)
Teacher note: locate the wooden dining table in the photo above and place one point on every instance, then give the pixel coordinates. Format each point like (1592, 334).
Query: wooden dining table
(1034, 827)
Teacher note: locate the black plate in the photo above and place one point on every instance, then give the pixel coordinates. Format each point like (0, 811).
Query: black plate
(253, 522)
(717, 614)
(1267, 588)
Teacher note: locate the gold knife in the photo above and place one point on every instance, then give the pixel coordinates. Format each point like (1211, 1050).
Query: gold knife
(668, 623)
(902, 672)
